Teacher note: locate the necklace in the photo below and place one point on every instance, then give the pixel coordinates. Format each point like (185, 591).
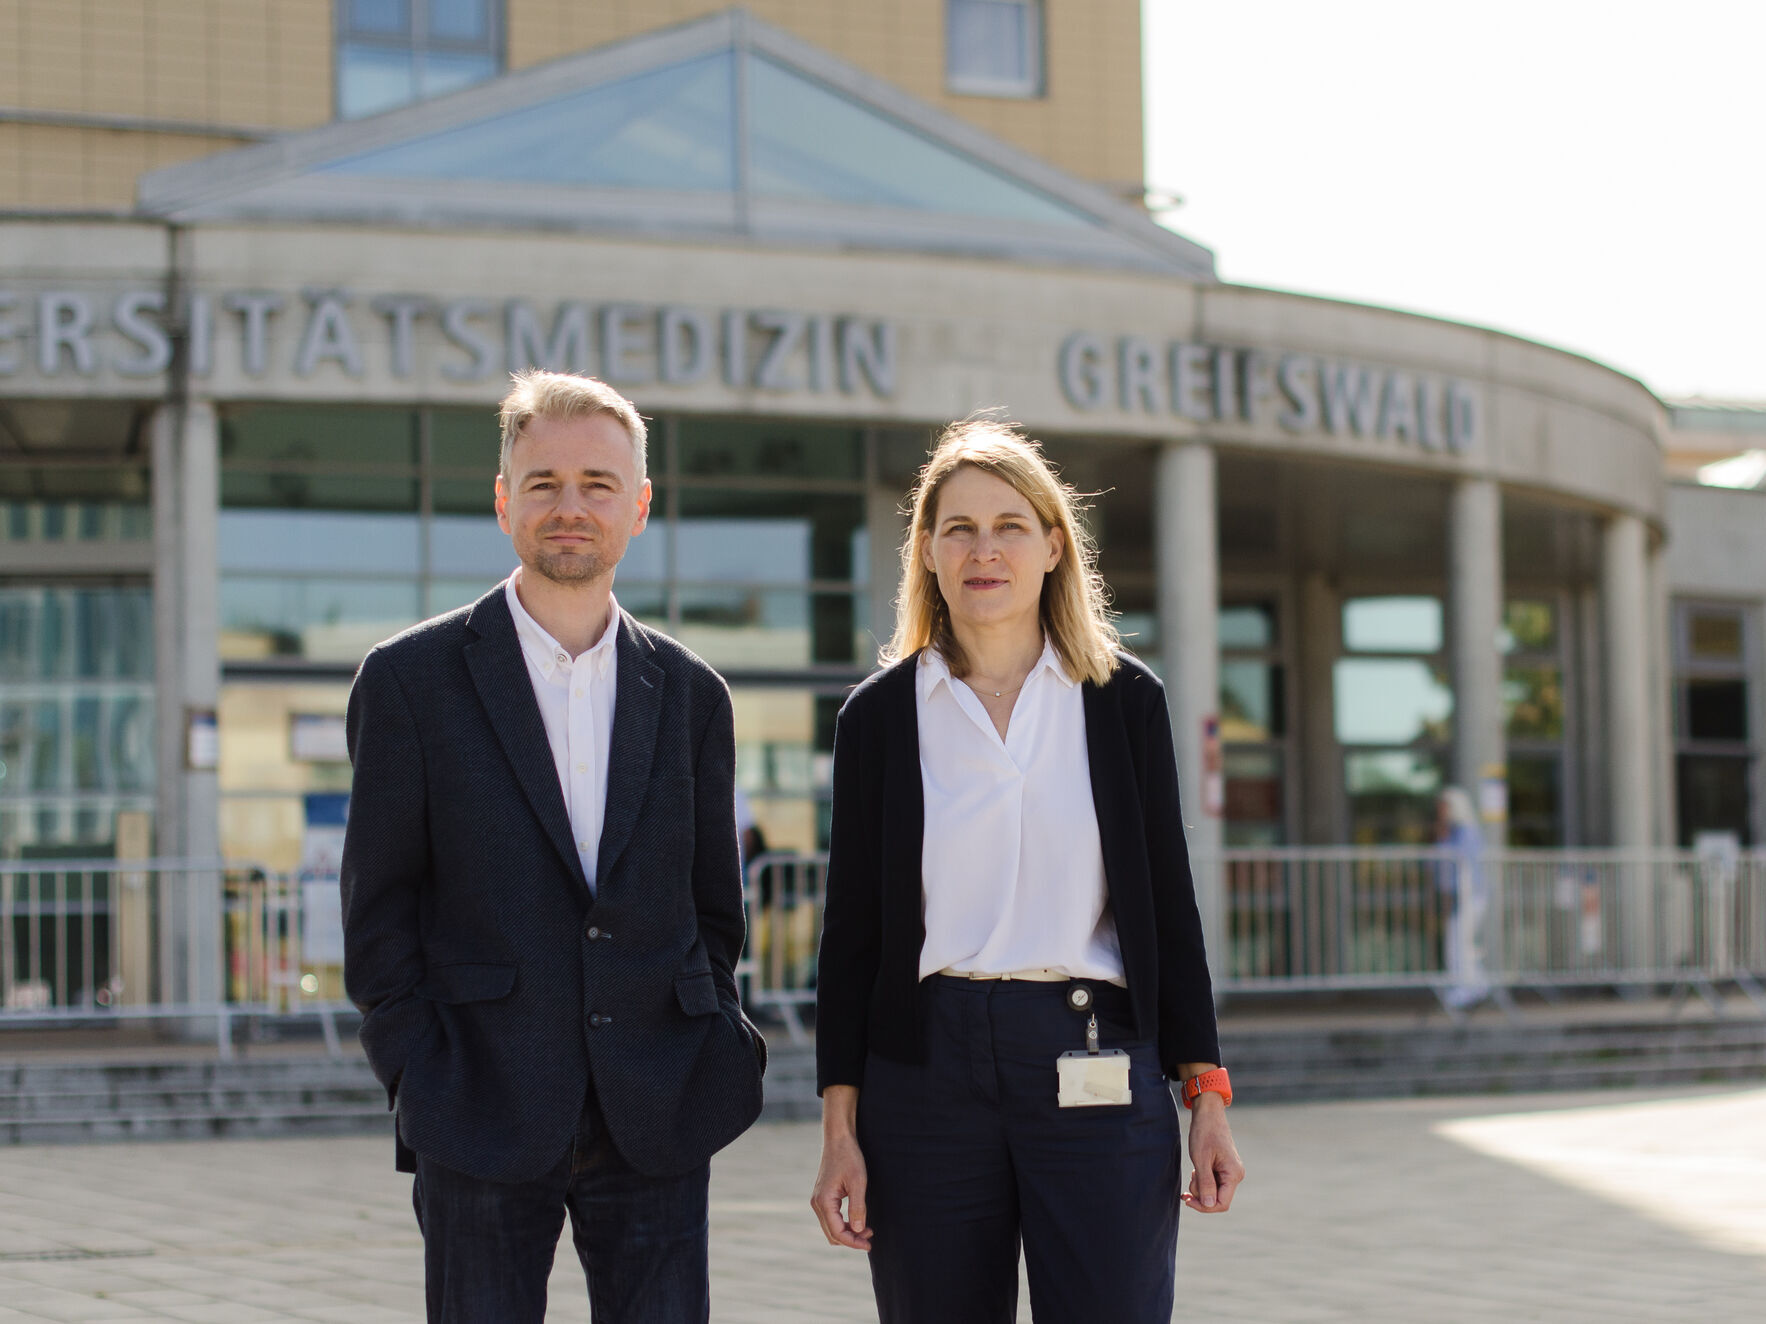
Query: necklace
(1000, 694)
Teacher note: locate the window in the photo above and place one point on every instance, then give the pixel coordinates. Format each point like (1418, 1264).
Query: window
(393, 52)
(994, 47)
(1533, 710)
(1253, 724)
(1715, 731)
(1393, 715)
(76, 715)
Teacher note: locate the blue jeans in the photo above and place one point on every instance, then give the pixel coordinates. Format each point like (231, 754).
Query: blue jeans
(968, 1157)
(488, 1246)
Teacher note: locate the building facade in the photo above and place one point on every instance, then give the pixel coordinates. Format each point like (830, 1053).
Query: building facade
(247, 390)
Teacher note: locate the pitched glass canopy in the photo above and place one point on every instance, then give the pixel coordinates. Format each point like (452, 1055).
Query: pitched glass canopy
(669, 128)
(806, 141)
(676, 129)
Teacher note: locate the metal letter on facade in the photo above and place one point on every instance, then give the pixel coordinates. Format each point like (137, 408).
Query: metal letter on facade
(684, 345)
(64, 320)
(1398, 417)
(867, 349)
(1298, 377)
(255, 311)
(1082, 370)
(457, 327)
(1190, 381)
(401, 312)
(329, 336)
(821, 353)
(1351, 398)
(1137, 376)
(736, 348)
(621, 338)
(1256, 386)
(1429, 406)
(770, 373)
(1226, 372)
(565, 350)
(154, 346)
(1462, 418)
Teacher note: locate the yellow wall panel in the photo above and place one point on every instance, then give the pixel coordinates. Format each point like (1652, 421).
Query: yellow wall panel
(178, 55)
(269, 63)
(11, 164)
(1088, 123)
(53, 168)
(11, 52)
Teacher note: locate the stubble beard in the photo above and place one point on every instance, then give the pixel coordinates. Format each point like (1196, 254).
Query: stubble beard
(572, 568)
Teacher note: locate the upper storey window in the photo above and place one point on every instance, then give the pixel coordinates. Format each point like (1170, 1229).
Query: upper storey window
(393, 52)
(993, 47)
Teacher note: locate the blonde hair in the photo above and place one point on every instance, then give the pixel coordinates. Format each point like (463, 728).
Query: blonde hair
(1075, 609)
(560, 395)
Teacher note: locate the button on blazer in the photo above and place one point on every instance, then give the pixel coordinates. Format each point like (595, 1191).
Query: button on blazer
(868, 972)
(494, 987)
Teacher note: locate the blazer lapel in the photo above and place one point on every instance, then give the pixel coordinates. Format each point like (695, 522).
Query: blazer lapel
(500, 673)
(637, 712)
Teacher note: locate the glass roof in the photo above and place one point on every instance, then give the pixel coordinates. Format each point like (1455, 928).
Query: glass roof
(670, 128)
(807, 141)
(674, 128)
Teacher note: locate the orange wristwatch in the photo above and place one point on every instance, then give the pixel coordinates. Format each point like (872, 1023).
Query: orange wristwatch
(1215, 1081)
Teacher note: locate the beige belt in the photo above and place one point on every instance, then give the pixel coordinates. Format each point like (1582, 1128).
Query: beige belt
(1036, 976)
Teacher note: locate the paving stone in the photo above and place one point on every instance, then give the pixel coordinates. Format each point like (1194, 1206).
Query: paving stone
(1586, 1209)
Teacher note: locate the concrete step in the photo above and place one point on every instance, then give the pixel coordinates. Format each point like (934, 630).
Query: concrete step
(103, 1098)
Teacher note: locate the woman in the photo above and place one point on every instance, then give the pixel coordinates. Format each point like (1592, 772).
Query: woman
(1007, 882)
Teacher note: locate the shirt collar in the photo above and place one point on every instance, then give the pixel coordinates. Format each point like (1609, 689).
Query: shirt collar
(545, 653)
(935, 671)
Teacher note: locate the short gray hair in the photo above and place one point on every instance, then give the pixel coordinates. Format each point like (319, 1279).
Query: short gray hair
(560, 395)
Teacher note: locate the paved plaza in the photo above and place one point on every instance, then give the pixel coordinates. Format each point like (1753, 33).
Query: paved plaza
(1596, 1208)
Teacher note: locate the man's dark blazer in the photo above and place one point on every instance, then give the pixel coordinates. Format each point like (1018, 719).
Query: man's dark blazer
(868, 973)
(493, 986)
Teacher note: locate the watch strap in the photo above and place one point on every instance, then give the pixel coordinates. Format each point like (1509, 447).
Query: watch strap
(1215, 1081)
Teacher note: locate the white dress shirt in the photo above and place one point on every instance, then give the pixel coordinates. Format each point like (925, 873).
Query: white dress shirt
(576, 704)
(1011, 863)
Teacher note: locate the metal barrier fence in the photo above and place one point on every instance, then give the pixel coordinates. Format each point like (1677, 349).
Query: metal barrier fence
(784, 899)
(102, 941)
(1468, 925)
(1464, 927)
(199, 942)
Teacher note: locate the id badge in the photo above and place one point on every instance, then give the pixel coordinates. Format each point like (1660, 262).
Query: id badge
(1092, 1080)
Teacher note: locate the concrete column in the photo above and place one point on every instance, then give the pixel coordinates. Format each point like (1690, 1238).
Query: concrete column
(1661, 685)
(1626, 642)
(1624, 593)
(1474, 605)
(1589, 693)
(1187, 558)
(1321, 775)
(887, 527)
(186, 612)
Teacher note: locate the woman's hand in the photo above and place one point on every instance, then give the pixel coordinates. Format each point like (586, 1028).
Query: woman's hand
(1218, 1168)
(842, 1174)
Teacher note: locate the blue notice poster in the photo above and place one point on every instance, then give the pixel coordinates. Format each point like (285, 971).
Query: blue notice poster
(321, 853)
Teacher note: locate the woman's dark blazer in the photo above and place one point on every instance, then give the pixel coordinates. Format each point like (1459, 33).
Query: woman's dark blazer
(868, 974)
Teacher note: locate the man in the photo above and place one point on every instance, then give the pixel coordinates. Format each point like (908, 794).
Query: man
(542, 900)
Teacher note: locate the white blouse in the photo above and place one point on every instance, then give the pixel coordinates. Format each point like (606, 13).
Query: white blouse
(1012, 868)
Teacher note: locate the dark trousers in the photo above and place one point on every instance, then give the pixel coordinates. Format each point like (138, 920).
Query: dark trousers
(968, 1152)
(488, 1246)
